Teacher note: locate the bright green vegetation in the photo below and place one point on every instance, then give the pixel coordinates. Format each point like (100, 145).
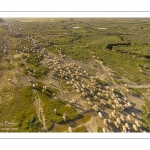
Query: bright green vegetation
(146, 115)
(80, 129)
(137, 92)
(21, 110)
(49, 105)
(34, 64)
(34, 60)
(50, 116)
(49, 91)
(140, 50)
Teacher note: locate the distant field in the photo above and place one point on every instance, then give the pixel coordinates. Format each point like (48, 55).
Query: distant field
(75, 42)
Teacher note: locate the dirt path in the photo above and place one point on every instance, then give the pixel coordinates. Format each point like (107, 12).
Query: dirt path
(39, 109)
(139, 86)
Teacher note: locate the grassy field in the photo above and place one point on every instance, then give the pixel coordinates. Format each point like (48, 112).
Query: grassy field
(91, 35)
(20, 110)
(146, 115)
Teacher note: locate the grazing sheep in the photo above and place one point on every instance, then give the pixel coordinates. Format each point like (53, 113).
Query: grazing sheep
(133, 114)
(137, 123)
(113, 114)
(129, 104)
(100, 115)
(128, 118)
(106, 122)
(127, 126)
(104, 130)
(55, 111)
(124, 128)
(135, 128)
(64, 117)
(118, 121)
(70, 129)
(116, 124)
(122, 118)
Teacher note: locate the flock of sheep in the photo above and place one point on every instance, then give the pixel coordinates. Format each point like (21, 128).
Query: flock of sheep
(99, 98)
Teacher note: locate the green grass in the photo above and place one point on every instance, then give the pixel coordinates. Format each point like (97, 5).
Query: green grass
(8, 67)
(34, 64)
(136, 92)
(34, 60)
(102, 82)
(49, 105)
(99, 129)
(80, 129)
(139, 50)
(146, 115)
(85, 118)
(21, 110)
(50, 116)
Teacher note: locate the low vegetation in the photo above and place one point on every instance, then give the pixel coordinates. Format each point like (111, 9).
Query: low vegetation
(102, 82)
(21, 111)
(80, 129)
(146, 115)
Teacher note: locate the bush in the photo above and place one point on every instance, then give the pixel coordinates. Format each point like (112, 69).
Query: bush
(101, 82)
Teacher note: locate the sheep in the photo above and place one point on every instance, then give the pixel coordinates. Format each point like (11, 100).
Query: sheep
(110, 116)
(135, 128)
(95, 98)
(129, 104)
(44, 87)
(118, 121)
(133, 114)
(127, 126)
(128, 118)
(137, 123)
(122, 118)
(104, 130)
(113, 114)
(109, 121)
(90, 103)
(70, 129)
(124, 128)
(73, 101)
(100, 115)
(105, 122)
(113, 106)
(116, 124)
(64, 117)
(95, 107)
(55, 110)
(33, 85)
